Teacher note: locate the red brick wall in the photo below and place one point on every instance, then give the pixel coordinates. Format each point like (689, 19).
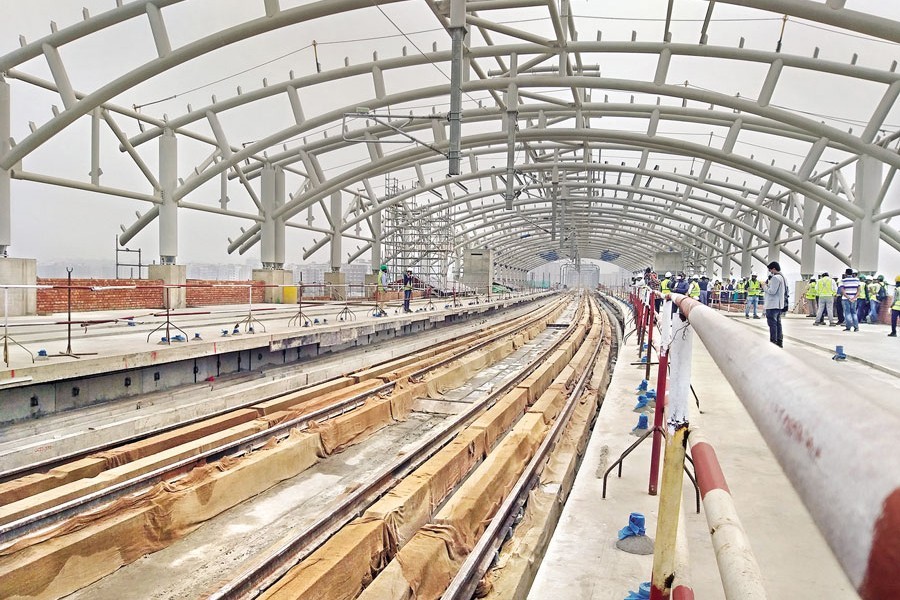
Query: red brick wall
(146, 295)
(211, 296)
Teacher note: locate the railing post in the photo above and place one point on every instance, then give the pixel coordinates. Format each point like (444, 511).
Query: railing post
(679, 340)
(650, 314)
(661, 380)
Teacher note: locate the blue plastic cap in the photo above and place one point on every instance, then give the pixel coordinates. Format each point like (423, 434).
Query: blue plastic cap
(651, 393)
(643, 422)
(635, 526)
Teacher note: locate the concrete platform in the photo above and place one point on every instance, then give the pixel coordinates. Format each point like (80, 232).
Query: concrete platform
(123, 363)
(582, 560)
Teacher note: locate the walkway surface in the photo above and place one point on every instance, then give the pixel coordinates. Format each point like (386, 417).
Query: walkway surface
(582, 560)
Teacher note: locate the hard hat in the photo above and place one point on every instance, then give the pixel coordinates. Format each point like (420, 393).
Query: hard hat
(668, 273)
(813, 278)
(753, 275)
(881, 278)
(694, 277)
(897, 279)
(862, 277)
(824, 274)
(384, 267)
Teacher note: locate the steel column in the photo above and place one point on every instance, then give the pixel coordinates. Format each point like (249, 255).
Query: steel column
(336, 231)
(267, 229)
(280, 194)
(5, 179)
(457, 36)
(807, 239)
(866, 230)
(168, 210)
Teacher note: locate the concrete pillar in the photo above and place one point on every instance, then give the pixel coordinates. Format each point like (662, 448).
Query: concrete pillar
(19, 271)
(171, 275)
(5, 177)
(808, 241)
(478, 269)
(337, 285)
(168, 210)
(337, 219)
(273, 277)
(866, 231)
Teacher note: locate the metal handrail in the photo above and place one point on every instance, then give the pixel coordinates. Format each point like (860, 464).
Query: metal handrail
(823, 441)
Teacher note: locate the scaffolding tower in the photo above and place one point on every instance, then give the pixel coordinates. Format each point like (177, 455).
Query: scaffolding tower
(418, 236)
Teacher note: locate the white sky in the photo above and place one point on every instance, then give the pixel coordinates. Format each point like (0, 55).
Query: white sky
(52, 223)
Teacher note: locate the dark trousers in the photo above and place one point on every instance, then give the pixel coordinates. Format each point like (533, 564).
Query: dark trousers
(407, 294)
(773, 318)
(895, 314)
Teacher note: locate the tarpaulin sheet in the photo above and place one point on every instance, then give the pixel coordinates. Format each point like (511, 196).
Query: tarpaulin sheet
(65, 558)
(355, 426)
(339, 569)
(550, 402)
(300, 396)
(82, 487)
(497, 420)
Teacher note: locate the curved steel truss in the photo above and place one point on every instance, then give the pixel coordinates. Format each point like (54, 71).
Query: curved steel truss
(565, 147)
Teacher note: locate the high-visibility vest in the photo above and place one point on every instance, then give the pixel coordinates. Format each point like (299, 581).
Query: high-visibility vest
(812, 290)
(863, 293)
(694, 290)
(896, 305)
(873, 288)
(754, 288)
(825, 288)
(380, 281)
(740, 286)
(664, 286)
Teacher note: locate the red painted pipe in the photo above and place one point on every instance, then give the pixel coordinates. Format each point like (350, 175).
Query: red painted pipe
(658, 421)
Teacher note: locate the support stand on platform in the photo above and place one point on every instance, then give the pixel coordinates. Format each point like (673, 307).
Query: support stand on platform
(168, 324)
(299, 318)
(249, 320)
(68, 351)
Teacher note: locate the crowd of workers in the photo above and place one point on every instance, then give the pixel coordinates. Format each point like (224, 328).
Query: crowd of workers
(849, 300)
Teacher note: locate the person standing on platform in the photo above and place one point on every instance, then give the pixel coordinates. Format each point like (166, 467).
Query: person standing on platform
(874, 288)
(862, 299)
(704, 289)
(838, 304)
(681, 285)
(811, 295)
(694, 288)
(754, 292)
(407, 289)
(849, 298)
(380, 289)
(775, 302)
(825, 292)
(665, 286)
(740, 291)
(895, 307)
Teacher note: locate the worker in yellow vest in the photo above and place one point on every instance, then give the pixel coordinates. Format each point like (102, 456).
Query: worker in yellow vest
(666, 284)
(811, 295)
(754, 293)
(826, 290)
(895, 307)
(694, 287)
(873, 288)
(739, 291)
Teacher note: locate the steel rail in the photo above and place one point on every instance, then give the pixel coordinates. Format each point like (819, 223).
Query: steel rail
(272, 568)
(50, 463)
(463, 585)
(235, 448)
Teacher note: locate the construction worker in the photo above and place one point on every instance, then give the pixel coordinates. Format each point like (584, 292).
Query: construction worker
(665, 286)
(895, 307)
(754, 293)
(380, 289)
(811, 296)
(740, 289)
(874, 289)
(826, 290)
(694, 288)
(407, 289)
(862, 300)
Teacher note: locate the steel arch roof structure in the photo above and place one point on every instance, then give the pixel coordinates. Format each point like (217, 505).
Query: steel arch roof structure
(568, 147)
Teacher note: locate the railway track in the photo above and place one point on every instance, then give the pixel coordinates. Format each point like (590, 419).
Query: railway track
(395, 543)
(320, 412)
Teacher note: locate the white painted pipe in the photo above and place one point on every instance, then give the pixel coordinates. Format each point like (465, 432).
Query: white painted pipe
(839, 451)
